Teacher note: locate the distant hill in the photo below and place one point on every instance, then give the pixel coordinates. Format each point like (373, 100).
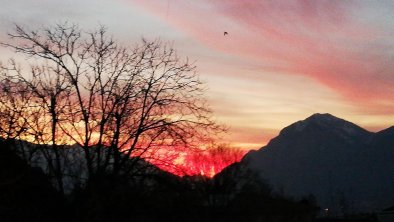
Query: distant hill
(347, 168)
(74, 167)
(26, 193)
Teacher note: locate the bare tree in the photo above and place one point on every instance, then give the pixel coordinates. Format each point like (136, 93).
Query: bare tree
(13, 107)
(37, 100)
(116, 102)
(15, 113)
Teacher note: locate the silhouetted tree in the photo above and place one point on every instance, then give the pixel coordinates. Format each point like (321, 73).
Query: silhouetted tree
(13, 107)
(43, 95)
(115, 102)
(16, 115)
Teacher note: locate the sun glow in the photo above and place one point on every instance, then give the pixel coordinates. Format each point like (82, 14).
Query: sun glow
(206, 162)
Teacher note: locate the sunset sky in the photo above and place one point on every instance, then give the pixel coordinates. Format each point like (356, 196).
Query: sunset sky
(280, 62)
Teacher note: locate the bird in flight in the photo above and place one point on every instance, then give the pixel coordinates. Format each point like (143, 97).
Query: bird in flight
(225, 33)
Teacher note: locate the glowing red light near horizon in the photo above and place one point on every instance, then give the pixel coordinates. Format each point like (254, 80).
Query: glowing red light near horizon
(207, 163)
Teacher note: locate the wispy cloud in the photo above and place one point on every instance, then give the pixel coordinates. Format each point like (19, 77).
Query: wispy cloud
(332, 41)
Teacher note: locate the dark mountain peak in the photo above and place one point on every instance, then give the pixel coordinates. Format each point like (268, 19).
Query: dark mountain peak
(323, 117)
(328, 120)
(327, 156)
(321, 127)
(324, 122)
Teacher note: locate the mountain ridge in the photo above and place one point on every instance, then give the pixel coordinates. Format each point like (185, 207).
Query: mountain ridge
(331, 158)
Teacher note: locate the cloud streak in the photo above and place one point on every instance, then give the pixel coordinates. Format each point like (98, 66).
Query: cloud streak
(326, 40)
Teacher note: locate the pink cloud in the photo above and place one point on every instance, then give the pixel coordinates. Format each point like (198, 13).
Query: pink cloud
(326, 40)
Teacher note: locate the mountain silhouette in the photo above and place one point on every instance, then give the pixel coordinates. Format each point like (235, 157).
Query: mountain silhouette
(347, 168)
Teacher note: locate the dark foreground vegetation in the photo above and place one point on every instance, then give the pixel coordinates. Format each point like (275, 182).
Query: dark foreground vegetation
(26, 194)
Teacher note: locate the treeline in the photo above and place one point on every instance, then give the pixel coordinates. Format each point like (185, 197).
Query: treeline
(27, 194)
